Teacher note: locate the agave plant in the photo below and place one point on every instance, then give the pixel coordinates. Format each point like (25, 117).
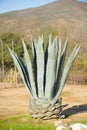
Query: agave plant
(46, 75)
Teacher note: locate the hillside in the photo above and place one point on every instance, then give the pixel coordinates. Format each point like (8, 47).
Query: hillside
(67, 17)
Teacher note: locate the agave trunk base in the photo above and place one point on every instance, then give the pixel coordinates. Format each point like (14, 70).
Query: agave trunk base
(38, 111)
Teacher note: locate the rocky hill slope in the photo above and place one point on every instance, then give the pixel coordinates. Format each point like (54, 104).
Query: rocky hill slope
(67, 17)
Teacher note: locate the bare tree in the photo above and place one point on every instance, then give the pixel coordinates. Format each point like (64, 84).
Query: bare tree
(85, 55)
(15, 69)
(2, 50)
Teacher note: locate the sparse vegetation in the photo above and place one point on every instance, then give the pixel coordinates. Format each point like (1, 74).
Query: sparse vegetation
(7, 40)
(24, 122)
(14, 41)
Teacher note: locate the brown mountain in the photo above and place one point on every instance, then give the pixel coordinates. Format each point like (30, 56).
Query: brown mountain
(68, 17)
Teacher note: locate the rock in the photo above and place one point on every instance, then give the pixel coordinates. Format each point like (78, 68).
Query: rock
(78, 126)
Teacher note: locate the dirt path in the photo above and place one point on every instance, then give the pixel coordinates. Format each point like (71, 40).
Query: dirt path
(76, 98)
(15, 101)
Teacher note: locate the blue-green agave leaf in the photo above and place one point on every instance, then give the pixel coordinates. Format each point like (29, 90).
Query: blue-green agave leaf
(58, 57)
(62, 60)
(45, 65)
(66, 71)
(50, 40)
(60, 65)
(34, 61)
(55, 41)
(57, 67)
(29, 68)
(22, 69)
(50, 71)
(40, 67)
(68, 67)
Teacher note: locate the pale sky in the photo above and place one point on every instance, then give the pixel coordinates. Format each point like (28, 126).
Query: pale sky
(11, 5)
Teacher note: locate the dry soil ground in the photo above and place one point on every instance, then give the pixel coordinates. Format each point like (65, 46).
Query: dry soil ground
(14, 101)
